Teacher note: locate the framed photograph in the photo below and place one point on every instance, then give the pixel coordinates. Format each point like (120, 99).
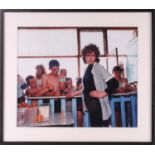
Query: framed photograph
(77, 77)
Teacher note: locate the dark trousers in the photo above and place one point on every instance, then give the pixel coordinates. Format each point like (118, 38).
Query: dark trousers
(95, 113)
(96, 118)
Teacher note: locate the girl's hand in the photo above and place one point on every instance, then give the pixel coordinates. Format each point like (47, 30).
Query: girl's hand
(98, 94)
(70, 95)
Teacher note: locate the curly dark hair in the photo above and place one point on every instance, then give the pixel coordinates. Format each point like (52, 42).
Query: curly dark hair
(91, 48)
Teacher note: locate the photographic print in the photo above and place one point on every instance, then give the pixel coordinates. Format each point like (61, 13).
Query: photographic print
(53, 64)
(77, 72)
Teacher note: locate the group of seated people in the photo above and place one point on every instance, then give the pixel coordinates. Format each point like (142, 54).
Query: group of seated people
(56, 83)
(52, 84)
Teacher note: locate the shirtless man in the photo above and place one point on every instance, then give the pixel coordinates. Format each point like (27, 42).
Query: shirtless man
(51, 82)
(33, 90)
(123, 82)
(123, 87)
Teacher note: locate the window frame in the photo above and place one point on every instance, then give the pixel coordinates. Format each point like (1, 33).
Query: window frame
(104, 30)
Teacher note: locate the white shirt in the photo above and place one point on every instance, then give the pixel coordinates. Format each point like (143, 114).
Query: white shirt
(101, 76)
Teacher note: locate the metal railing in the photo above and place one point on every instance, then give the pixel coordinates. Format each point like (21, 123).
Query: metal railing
(122, 99)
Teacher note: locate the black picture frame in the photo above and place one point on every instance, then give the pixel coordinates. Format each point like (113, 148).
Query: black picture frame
(2, 79)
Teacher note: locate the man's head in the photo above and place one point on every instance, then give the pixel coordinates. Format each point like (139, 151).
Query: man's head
(54, 67)
(31, 81)
(117, 71)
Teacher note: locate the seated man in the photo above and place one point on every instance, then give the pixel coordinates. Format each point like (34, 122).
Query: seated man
(123, 82)
(123, 87)
(33, 90)
(51, 82)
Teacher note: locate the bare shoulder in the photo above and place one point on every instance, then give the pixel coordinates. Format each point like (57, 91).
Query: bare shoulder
(44, 77)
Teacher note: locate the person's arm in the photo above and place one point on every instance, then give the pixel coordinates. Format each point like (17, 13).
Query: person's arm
(107, 78)
(42, 91)
(39, 92)
(133, 86)
(75, 93)
(112, 84)
(119, 90)
(32, 92)
(125, 87)
(49, 93)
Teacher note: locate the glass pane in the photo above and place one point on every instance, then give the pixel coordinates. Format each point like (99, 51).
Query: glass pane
(111, 63)
(103, 62)
(123, 64)
(27, 66)
(47, 42)
(92, 38)
(132, 48)
(132, 69)
(119, 39)
(83, 67)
